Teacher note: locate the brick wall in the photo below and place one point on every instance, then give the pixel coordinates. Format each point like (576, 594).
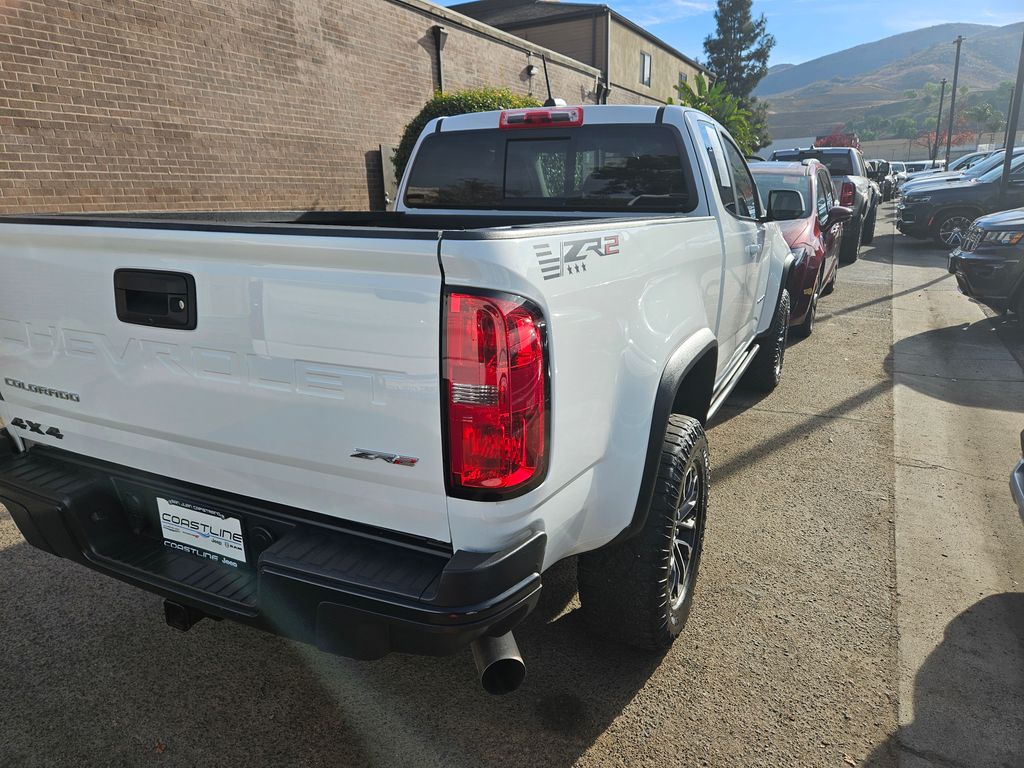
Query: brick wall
(219, 104)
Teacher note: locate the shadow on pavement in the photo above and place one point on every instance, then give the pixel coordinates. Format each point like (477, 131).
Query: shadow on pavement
(80, 689)
(965, 364)
(964, 711)
(737, 403)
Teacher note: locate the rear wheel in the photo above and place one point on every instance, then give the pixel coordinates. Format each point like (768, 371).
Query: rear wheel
(766, 370)
(850, 244)
(951, 227)
(639, 591)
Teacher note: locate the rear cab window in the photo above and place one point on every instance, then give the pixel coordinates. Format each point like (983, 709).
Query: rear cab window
(630, 168)
(838, 163)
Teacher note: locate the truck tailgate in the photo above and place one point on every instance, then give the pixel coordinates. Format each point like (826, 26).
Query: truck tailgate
(307, 348)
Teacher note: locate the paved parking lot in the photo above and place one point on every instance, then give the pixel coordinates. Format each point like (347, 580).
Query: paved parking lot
(860, 599)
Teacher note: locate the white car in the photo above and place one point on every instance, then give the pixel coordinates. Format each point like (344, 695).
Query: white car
(374, 432)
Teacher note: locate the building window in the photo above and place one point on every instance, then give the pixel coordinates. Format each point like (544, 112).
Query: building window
(683, 79)
(645, 68)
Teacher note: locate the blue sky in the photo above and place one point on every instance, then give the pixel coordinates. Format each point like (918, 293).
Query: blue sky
(806, 29)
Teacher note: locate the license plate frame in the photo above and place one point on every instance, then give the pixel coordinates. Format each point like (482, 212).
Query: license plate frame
(202, 531)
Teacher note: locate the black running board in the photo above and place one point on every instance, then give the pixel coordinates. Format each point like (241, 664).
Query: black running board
(733, 380)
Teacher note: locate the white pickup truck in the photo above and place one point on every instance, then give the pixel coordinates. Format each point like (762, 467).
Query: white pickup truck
(374, 432)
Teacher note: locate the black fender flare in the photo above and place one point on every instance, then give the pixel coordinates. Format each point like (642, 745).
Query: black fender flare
(680, 364)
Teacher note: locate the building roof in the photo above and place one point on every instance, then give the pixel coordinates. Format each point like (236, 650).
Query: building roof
(510, 14)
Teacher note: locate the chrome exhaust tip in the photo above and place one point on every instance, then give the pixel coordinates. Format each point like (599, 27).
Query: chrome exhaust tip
(499, 664)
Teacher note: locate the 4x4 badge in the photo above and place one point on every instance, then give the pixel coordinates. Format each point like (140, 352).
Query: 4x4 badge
(35, 426)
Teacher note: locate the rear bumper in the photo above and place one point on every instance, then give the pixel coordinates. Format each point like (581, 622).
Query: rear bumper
(355, 592)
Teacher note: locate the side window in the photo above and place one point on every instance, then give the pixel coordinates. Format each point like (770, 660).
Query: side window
(746, 206)
(826, 183)
(716, 153)
(821, 200)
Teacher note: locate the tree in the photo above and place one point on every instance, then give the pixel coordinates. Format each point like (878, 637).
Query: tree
(738, 53)
(723, 107)
(986, 117)
(962, 134)
(838, 138)
(905, 128)
(457, 103)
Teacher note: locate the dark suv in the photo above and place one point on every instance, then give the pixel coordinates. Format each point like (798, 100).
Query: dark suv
(853, 189)
(944, 211)
(989, 265)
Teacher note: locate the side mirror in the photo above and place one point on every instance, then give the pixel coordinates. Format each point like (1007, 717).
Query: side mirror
(785, 204)
(839, 213)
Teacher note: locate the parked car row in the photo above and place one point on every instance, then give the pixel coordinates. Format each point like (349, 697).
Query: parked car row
(943, 207)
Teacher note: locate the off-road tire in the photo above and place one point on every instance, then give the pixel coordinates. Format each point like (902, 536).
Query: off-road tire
(869, 227)
(850, 245)
(765, 372)
(626, 588)
(806, 328)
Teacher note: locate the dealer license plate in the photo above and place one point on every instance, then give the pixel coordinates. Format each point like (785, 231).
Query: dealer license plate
(203, 532)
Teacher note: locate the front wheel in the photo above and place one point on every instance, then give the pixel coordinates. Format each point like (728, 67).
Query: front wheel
(950, 228)
(807, 326)
(639, 591)
(766, 370)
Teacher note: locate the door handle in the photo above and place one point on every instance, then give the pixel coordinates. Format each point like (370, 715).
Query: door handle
(155, 298)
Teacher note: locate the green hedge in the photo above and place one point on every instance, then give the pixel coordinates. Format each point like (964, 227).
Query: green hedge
(458, 103)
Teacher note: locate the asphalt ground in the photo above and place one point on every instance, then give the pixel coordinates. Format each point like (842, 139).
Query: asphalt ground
(793, 654)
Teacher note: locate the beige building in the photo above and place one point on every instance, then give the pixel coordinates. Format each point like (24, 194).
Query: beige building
(637, 67)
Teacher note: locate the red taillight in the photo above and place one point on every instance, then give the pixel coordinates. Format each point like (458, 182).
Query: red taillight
(558, 117)
(496, 390)
(846, 193)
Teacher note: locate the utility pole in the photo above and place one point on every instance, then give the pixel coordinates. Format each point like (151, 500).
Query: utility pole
(952, 98)
(938, 120)
(1011, 128)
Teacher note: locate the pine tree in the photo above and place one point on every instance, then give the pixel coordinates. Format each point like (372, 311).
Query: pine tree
(738, 53)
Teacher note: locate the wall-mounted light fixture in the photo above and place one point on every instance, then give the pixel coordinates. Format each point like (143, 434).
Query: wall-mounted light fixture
(532, 70)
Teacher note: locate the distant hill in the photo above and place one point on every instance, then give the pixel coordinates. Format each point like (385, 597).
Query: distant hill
(862, 59)
(874, 78)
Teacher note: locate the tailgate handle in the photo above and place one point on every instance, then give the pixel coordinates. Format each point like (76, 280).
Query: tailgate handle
(155, 298)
